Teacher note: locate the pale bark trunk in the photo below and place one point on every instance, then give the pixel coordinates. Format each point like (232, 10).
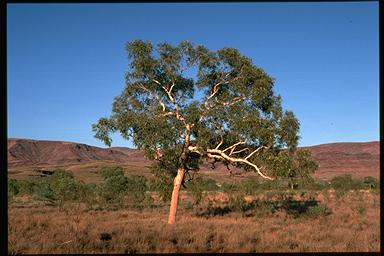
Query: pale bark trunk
(175, 195)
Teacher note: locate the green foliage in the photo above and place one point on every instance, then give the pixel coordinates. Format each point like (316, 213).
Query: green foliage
(161, 182)
(249, 186)
(110, 171)
(317, 185)
(229, 187)
(188, 205)
(361, 208)
(64, 185)
(319, 210)
(294, 166)
(13, 187)
(137, 186)
(371, 183)
(115, 185)
(196, 190)
(45, 192)
(88, 194)
(22, 187)
(60, 186)
(346, 182)
(198, 185)
(158, 108)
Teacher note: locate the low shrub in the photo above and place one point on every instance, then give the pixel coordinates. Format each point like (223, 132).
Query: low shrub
(117, 188)
(114, 187)
(195, 188)
(346, 182)
(371, 182)
(316, 185)
(161, 182)
(198, 185)
(230, 187)
(61, 186)
(318, 210)
(250, 186)
(110, 171)
(136, 188)
(88, 194)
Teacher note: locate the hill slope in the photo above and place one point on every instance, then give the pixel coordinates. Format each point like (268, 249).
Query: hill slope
(358, 159)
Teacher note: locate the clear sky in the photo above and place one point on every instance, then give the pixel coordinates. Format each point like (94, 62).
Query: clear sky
(66, 62)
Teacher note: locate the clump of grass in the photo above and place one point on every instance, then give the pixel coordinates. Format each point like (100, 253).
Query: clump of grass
(361, 208)
(319, 210)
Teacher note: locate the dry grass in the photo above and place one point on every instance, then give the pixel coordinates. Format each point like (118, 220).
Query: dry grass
(352, 226)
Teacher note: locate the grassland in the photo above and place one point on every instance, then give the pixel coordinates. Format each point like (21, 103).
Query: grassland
(270, 221)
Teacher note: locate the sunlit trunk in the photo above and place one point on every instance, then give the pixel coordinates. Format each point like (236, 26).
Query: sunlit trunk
(175, 195)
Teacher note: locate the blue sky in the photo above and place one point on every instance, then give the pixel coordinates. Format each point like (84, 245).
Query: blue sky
(66, 62)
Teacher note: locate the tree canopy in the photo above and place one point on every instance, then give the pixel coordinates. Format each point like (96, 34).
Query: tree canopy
(196, 104)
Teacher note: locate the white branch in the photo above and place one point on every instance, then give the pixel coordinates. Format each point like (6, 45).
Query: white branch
(219, 154)
(221, 142)
(236, 100)
(154, 80)
(255, 152)
(238, 151)
(234, 145)
(194, 149)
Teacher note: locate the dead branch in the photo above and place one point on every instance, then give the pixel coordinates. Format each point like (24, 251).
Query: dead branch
(220, 154)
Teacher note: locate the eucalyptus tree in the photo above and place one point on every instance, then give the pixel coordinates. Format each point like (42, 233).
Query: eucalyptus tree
(193, 104)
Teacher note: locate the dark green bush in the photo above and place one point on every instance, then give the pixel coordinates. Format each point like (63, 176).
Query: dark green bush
(137, 186)
(316, 185)
(64, 185)
(110, 171)
(114, 187)
(162, 183)
(61, 186)
(44, 191)
(13, 187)
(319, 210)
(25, 187)
(371, 182)
(196, 189)
(346, 182)
(88, 194)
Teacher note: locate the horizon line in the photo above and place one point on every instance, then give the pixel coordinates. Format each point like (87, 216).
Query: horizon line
(48, 140)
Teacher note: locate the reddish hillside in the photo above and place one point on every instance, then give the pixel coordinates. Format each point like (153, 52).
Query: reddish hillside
(358, 159)
(22, 152)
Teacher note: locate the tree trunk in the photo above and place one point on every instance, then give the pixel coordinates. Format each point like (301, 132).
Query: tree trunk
(175, 195)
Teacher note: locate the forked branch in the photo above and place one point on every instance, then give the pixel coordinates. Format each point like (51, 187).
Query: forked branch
(218, 154)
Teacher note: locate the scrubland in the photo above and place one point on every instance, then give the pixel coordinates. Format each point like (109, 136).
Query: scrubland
(49, 217)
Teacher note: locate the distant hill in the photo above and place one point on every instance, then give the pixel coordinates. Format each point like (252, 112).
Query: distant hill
(38, 152)
(358, 159)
